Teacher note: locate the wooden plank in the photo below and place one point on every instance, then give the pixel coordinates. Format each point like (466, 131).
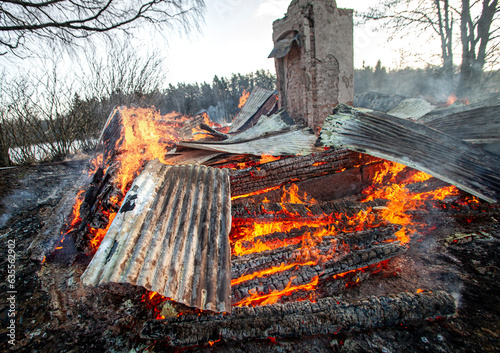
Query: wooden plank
(468, 167)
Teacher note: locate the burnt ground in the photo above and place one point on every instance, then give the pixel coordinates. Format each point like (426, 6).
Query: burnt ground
(55, 312)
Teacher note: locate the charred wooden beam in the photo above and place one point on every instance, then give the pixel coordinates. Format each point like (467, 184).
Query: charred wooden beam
(248, 263)
(334, 263)
(275, 210)
(294, 169)
(325, 317)
(466, 166)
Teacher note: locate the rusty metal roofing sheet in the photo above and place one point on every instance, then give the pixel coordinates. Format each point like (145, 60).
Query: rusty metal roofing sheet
(275, 135)
(171, 236)
(257, 98)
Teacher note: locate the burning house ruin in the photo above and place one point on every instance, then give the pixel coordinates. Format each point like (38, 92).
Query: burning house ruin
(185, 233)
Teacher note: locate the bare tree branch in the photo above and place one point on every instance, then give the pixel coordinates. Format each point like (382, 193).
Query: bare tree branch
(66, 20)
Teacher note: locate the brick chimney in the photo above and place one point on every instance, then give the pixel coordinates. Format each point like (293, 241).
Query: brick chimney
(313, 54)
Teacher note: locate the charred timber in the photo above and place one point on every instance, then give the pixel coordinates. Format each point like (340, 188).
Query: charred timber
(248, 263)
(325, 269)
(325, 317)
(275, 210)
(294, 169)
(466, 166)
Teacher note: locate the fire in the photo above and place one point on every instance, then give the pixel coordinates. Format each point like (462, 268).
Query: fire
(401, 200)
(292, 196)
(95, 163)
(75, 214)
(243, 98)
(153, 301)
(389, 183)
(146, 135)
(212, 343)
(259, 192)
(273, 297)
(270, 271)
(452, 98)
(266, 158)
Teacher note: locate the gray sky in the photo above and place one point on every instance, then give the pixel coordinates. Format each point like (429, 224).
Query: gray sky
(236, 38)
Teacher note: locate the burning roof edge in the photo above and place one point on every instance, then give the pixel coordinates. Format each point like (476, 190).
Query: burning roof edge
(171, 236)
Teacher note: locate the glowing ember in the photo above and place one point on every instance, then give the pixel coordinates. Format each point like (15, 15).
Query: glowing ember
(243, 98)
(266, 158)
(451, 99)
(249, 235)
(269, 271)
(153, 301)
(259, 192)
(273, 297)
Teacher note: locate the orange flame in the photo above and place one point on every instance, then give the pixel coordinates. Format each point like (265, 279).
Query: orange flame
(266, 158)
(452, 98)
(243, 98)
(273, 297)
(270, 271)
(146, 135)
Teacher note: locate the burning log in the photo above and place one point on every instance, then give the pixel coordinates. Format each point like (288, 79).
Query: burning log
(275, 210)
(295, 168)
(325, 317)
(171, 236)
(467, 167)
(328, 262)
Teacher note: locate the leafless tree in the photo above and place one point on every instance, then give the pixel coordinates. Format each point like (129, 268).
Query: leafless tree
(473, 24)
(433, 18)
(479, 33)
(22, 22)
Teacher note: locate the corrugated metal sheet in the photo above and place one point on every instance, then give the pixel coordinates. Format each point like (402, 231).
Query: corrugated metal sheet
(171, 236)
(276, 135)
(411, 108)
(193, 157)
(480, 125)
(257, 98)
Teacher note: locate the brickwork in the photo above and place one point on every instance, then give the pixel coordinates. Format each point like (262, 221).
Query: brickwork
(317, 73)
